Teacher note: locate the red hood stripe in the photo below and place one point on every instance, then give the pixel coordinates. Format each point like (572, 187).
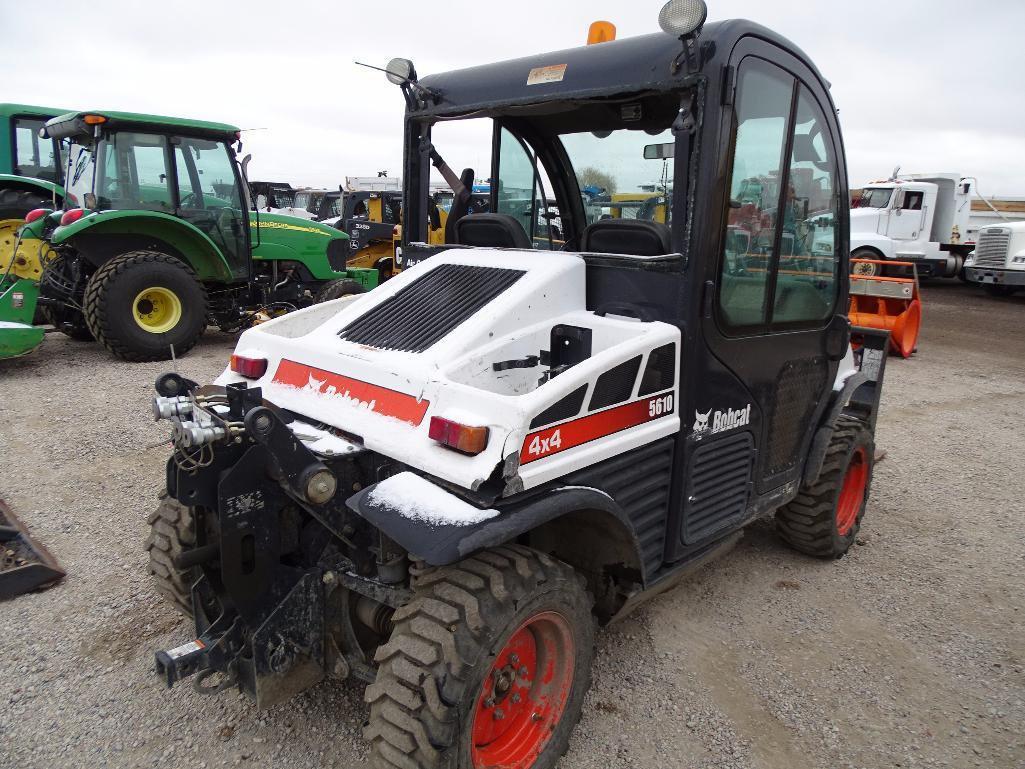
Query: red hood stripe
(380, 400)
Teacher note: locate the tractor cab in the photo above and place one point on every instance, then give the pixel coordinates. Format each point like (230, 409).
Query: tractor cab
(185, 169)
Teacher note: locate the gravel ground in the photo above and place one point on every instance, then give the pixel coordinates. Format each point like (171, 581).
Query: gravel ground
(909, 652)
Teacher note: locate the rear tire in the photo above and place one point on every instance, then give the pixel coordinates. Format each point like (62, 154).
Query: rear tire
(172, 532)
(14, 204)
(140, 303)
(488, 665)
(336, 289)
(824, 518)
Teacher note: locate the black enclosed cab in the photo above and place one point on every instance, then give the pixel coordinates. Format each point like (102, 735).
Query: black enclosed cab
(638, 349)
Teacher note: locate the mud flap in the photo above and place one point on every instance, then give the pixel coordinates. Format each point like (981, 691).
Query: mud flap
(25, 565)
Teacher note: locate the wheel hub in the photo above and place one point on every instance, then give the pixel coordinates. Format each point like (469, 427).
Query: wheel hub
(852, 492)
(523, 697)
(157, 309)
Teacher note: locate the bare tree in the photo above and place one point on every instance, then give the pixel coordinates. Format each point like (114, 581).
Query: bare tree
(595, 177)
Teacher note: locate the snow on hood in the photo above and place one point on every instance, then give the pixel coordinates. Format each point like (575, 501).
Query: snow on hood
(418, 499)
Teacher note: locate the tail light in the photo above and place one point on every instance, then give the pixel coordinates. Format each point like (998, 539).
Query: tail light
(250, 368)
(35, 213)
(72, 216)
(469, 440)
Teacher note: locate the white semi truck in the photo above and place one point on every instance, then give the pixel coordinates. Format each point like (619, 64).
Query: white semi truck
(999, 261)
(920, 218)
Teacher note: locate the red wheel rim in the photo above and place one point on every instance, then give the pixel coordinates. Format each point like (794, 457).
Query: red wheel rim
(524, 694)
(852, 493)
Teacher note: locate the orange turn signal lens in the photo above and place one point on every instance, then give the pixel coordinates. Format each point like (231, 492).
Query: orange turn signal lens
(94, 119)
(250, 368)
(469, 440)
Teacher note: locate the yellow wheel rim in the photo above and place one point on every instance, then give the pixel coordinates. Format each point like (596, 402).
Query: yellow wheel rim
(8, 237)
(157, 309)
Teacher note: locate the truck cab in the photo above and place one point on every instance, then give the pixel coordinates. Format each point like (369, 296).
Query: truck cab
(919, 218)
(999, 264)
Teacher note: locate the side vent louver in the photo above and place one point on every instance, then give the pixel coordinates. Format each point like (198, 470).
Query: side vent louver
(717, 485)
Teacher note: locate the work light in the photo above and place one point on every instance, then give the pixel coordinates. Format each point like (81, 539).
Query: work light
(682, 18)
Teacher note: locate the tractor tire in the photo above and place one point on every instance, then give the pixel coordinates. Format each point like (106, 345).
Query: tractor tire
(67, 320)
(140, 303)
(866, 269)
(488, 665)
(336, 289)
(172, 532)
(14, 204)
(824, 518)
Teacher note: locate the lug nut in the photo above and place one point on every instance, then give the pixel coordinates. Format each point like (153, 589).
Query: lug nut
(523, 671)
(489, 702)
(515, 697)
(514, 658)
(499, 715)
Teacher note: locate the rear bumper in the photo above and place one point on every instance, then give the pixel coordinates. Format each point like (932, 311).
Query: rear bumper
(989, 276)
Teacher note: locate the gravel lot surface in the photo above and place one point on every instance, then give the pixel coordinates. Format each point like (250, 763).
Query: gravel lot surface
(909, 652)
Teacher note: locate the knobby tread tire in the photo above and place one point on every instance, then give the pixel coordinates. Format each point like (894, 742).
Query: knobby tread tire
(336, 289)
(808, 522)
(431, 668)
(99, 320)
(14, 203)
(172, 531)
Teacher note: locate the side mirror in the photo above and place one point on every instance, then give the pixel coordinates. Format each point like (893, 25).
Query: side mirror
(898, 200)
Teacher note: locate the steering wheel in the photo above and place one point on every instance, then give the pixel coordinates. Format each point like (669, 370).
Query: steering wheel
(184, 202)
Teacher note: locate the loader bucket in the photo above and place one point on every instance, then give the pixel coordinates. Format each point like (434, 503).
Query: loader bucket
(25, 565)
(888, 303)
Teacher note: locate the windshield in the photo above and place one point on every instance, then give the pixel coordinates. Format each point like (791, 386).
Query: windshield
(874, 197)
(623, 174)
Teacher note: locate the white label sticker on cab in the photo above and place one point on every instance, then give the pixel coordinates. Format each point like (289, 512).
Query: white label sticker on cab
(552, 74)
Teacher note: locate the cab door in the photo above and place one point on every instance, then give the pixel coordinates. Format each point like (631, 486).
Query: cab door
(907, 214)
(209, 198)
(773, 316)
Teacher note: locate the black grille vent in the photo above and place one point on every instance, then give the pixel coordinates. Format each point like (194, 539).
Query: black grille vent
(717, 486)
(430, 307)
(660, 371)
(564, 408)
(616, 384)
(797, 392)
(639, 481)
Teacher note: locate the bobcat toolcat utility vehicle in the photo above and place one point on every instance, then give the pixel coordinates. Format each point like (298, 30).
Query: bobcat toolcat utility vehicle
(440, 486)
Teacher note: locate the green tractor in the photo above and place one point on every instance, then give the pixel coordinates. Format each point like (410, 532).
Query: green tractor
(163, 241)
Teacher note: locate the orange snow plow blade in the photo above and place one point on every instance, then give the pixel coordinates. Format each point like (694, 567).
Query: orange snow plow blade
(888, 303)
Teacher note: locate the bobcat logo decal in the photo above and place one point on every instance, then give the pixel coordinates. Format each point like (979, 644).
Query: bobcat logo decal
(730, 419)
(701, 421)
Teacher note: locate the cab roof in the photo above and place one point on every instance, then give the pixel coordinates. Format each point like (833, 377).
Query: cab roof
(627, 65)
(11, 110)
(73, 123)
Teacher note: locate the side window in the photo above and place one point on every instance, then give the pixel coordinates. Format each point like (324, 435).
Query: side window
(206, 178)
(806, 277)
(134, 173)
(913, 201)
(765, 94)
(527, 196)
(34, 157)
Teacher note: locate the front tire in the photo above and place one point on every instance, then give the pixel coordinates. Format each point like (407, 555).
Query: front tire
(487, 666)
(141, 303)
(172, 532)
(336, 289)
(866, 269)
(824, 518)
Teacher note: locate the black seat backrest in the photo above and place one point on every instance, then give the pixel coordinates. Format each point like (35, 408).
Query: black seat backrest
(460, 205)
(634, 237)
(491, 231)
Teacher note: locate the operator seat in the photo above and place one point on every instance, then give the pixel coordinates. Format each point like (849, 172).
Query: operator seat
(633, 237)
(491, 231)
(460, 205)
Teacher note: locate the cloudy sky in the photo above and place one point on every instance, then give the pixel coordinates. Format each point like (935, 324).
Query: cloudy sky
(930, 85)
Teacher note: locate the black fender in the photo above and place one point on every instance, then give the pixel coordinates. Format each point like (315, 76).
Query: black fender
(824, 432)
(441, 545)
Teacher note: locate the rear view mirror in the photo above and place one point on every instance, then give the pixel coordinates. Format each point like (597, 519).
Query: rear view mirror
(659, 151)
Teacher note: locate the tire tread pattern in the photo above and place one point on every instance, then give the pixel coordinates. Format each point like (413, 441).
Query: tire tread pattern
(172, 531)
